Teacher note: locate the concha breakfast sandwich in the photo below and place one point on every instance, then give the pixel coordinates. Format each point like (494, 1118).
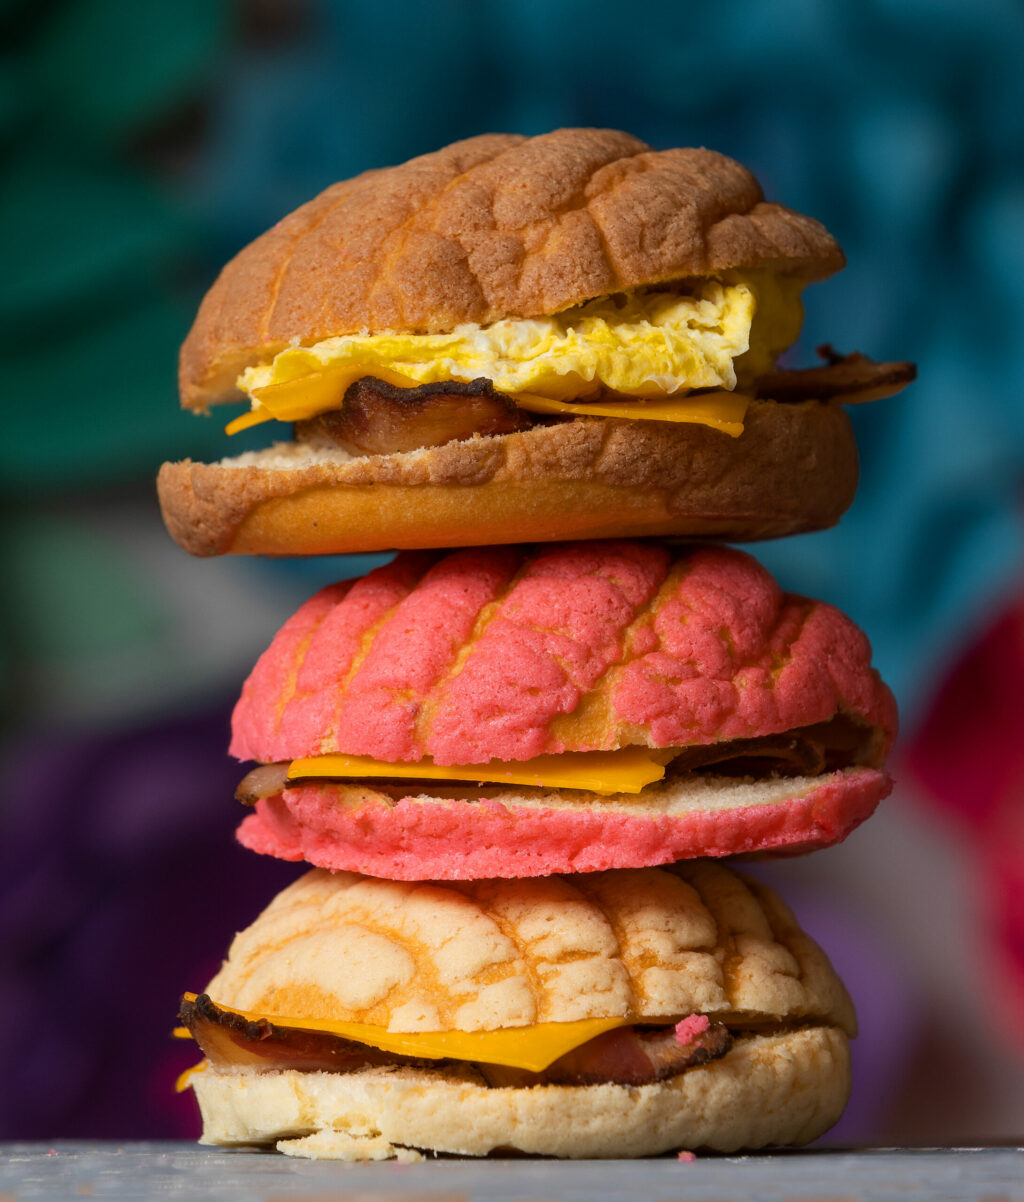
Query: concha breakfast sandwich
(614, 1014)
(519, 339)
(518, 711)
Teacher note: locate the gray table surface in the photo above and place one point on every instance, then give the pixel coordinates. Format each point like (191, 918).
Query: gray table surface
(177, 1170)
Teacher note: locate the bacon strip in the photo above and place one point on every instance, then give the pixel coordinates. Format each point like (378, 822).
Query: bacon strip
(783, 755)
(625, 1056)
(230, 1041)
(852, 379)
(265, 781)
(378, 418)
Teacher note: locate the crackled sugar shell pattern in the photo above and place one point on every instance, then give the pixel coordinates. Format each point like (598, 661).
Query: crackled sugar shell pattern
(498, 953)
(501, 653)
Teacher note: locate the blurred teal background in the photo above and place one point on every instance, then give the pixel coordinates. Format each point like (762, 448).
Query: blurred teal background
(143, 144)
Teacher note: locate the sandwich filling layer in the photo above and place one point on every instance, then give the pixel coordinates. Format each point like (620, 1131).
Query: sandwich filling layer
(573, 812)
(653, 342)
(807, 751)
(621, 1052)
(366, 409)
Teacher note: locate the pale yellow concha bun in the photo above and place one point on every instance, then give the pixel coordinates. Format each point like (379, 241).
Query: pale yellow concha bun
(650, 944)
(483, 955)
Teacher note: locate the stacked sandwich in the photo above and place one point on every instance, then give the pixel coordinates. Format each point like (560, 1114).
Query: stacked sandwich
(516, 754)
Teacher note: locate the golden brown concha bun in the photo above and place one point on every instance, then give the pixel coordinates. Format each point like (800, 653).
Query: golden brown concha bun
(497, 227)
(492, 227)
(649, 944)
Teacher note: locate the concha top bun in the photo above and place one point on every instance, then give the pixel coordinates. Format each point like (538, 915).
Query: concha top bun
(476, 956)
(491, 227)
(510, 652)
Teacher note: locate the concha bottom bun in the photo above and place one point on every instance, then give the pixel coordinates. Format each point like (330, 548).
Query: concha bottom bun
(774, 1089)
(794, 468)
(533, 832)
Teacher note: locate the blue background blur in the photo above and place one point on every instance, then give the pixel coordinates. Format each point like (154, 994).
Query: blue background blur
(143, 144)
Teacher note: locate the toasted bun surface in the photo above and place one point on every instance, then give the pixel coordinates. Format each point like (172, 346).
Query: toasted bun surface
(793, 469)
(509, 653)
(494, 226)
(769, 1090)
(535, 832)
(484, 955)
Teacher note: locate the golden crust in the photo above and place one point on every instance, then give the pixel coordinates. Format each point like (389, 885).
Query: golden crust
(482, 955)
(491, 227)
(769, 1090)
(793, 469)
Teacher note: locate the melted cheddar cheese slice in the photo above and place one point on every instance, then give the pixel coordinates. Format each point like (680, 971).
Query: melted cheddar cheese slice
(627, 770)
(534, 1048)
(306, 396)
(723, 411)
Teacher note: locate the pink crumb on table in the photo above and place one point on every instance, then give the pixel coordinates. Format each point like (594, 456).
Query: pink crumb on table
(690, 1028)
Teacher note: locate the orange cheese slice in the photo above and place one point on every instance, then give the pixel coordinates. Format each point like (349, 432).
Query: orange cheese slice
(305, 397)
(295, 400)
(534, 1048)
(185, 1079)
(627, 770)
(723, 411)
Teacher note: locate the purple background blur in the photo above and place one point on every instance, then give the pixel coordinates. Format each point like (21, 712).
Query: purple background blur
(145, 144)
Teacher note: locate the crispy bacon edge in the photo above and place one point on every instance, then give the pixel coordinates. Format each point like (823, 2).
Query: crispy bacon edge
(852, 379)
(378, 418)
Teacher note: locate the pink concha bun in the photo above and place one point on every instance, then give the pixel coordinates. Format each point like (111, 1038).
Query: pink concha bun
(434, 839)
(509, 653)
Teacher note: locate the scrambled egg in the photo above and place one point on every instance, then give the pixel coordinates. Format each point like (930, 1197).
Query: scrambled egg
(646, 344)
